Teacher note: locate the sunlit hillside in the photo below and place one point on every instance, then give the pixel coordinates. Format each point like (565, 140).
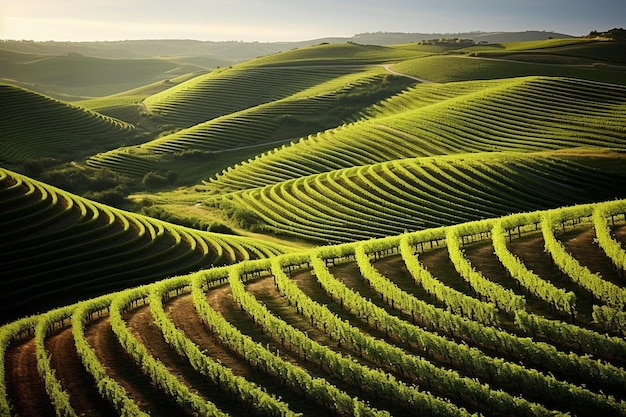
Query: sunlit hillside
(433, 227)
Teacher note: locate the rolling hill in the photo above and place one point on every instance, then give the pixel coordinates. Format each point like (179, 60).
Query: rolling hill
(413, 194)
(426, 228)
(36, 126)
(58, 247)
(516, 114)
(316, 331)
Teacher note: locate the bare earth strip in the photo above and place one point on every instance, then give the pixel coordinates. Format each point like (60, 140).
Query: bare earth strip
(76, 381)
(121, 367)
(582, 247)
(530, 250)
(24, 385)
(184, 315)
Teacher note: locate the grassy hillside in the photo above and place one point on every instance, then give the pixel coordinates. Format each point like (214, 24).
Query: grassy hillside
(74, 76)
(58, 247)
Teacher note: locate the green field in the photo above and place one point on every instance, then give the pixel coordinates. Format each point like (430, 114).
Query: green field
(429, 228)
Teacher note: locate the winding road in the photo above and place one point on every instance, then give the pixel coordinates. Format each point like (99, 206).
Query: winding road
(408, 76)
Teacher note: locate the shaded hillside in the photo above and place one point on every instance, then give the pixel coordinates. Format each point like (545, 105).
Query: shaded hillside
(322, 106)
(57, 247)
(36, 126)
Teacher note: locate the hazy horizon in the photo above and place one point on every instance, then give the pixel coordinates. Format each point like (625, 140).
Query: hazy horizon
(281, 20)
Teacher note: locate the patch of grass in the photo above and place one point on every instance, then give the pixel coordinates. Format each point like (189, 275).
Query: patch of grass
(464, 68)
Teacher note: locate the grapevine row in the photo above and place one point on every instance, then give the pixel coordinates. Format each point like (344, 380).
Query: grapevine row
(109, 388)
(297, 378)
(340, 365)
(150, 366)
(556, 297)
(611, 247)
(538, 354)
(259, 400)
(606, 292)
(505, 299)
(458, 302)
(475, 361)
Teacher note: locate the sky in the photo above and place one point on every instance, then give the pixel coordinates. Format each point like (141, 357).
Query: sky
(293, 20)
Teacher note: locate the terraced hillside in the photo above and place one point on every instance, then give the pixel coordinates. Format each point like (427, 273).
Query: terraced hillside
(405, 308)
(230, 90)
(331, 100)
(335, 104)
(57, 247)
(414, 194)
(35, 126)
(297, 115)
(519, 114)
(521, 315)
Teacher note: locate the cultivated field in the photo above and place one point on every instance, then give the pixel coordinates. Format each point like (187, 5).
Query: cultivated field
(433, 228)
(466, 319)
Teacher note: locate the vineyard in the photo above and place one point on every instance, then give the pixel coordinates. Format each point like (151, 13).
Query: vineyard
(517, 114)
(58, 245)
(365, 328)
(421, 229)
(61, 126)
(414, 194)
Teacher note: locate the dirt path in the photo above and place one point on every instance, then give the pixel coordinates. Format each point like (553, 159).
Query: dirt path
(437, 262)
(422, 80)
(24, 386)
(121, 367)
(530, 250)
(184, 316)
(620, 233)
(79, 384)
(481, 255)
(580, 243)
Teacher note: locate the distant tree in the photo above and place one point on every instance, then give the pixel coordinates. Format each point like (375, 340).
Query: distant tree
(32, 167)
(153, 180)
(613, 34)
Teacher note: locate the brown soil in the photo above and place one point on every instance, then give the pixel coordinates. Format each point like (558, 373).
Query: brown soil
(121, 367)
(437, 262)
(25, 388)
(79, 384)
(184, 316)
(580, 243)
(530, 250)
(482, 257)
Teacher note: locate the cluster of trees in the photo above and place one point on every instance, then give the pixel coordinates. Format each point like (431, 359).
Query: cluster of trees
(101, 184)
(614, 34)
